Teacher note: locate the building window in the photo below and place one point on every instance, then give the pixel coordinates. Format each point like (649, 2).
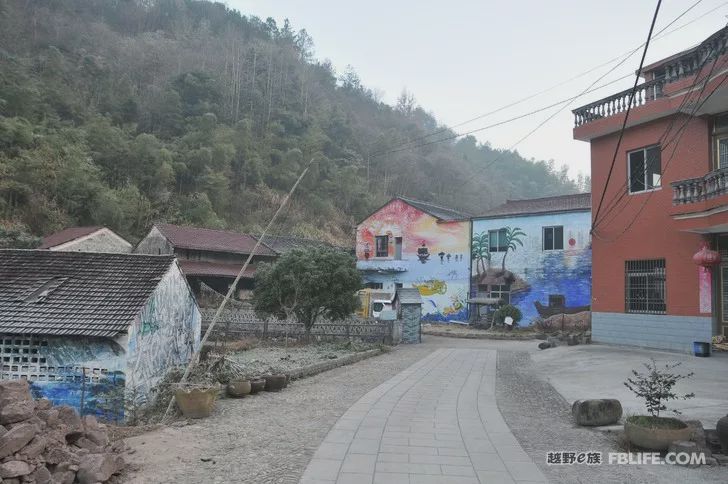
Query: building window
(720, 142)
(397, 285)
(497, 240)
(502, 292)
(553, 238)
(374, 285)
(382, 243)
(645, 286)
(645, 171)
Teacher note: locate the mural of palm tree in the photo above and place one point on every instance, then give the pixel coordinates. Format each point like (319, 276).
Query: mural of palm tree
(513, 237)
(481, 252)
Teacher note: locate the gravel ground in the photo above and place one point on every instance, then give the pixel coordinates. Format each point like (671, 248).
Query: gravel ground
(278, 359)
(541, 421)
(266, 438)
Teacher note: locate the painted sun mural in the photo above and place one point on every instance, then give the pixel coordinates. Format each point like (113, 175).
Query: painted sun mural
(400, 244)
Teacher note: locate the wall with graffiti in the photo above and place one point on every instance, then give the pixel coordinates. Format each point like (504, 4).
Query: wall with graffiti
(165, 333)
(536, 261)
(400, 244)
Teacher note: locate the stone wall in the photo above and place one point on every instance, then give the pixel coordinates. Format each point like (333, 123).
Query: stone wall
(659, 331)
(154, 243)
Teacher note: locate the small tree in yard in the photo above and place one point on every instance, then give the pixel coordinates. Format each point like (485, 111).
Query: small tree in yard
(308, 284)
(655, 386)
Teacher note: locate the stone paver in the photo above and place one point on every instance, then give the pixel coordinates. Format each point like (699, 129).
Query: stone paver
(435, 422)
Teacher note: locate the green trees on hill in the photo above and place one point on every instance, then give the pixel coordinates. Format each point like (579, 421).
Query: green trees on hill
(120, 113)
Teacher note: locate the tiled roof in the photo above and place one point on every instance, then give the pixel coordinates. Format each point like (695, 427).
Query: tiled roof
(442, 213)
(75, 293)
(67, 235)
(408, 295)
(283, 244)
(212, 240)
(561, 203)
(203, 268)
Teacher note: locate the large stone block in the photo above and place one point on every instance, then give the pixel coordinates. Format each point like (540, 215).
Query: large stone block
(12, 391)
(591, 413)
(96, 468)
(16, 411)
(15, 468)
(16, 438)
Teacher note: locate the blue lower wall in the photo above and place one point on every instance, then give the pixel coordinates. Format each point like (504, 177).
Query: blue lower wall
(659, 331)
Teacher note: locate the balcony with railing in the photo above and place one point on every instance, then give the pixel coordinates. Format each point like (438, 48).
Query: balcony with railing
(672, 70)
(701, 189)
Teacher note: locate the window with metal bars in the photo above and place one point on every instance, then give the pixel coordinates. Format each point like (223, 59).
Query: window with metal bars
(644, 288)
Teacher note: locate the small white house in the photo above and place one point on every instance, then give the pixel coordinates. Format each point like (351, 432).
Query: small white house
(86, 239)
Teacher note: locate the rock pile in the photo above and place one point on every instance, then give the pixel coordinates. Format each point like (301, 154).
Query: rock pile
(40, 443)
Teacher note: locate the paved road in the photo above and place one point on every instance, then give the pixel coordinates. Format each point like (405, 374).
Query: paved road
(435, 422)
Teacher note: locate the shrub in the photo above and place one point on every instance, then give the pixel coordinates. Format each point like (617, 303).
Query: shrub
(655, 386)
(503, 312)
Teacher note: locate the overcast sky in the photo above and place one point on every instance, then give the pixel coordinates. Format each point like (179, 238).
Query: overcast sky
(464, 58)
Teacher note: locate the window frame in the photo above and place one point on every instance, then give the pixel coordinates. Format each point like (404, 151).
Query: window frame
(497, 248)
(553, 237)
(377, 253)
(503, 292)
(718, 133)
(654, 271)
(644, 150)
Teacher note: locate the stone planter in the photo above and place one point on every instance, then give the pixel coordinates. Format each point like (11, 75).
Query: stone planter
(721, 428)
(275, 383)
(655, 437)
(238, 388)
(196, 402)
(257, 385)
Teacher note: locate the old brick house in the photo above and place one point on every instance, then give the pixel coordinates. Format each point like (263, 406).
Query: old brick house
(212, 257)
(665, 194)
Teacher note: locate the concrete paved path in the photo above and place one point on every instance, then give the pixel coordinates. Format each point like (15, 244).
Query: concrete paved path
(434, 423)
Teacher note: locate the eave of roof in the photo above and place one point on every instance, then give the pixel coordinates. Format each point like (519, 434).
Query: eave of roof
(579, 202)
(213, 240)
(67, 235)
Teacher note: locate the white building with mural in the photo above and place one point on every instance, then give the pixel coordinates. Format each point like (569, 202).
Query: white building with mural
(535, 254)
(409, 243)
(89, 329)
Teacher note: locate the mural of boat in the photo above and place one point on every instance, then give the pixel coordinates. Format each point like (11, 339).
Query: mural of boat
(557, 305)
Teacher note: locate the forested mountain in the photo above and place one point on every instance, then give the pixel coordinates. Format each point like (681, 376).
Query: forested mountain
(125, 112)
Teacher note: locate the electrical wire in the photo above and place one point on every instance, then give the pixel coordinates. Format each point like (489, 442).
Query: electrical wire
(660, 34)
(629, 108)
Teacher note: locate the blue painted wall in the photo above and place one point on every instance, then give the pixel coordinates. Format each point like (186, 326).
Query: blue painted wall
(538, 272)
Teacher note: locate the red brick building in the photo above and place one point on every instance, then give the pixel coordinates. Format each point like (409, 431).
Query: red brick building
(667, 195)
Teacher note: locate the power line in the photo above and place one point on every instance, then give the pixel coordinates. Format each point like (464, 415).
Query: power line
(629, 108)
(627, 54)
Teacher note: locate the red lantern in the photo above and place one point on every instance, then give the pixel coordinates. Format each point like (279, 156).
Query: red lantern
(706, 257)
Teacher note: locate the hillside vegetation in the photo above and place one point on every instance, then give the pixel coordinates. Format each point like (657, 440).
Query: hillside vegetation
(122, 112)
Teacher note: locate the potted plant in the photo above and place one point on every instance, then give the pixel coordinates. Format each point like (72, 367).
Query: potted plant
(507, 311)
(655, 387)
(238, 388)
(196, 400)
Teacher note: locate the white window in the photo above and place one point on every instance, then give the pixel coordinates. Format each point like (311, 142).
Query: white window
(645, 170)
(553, 238)
(497, 240)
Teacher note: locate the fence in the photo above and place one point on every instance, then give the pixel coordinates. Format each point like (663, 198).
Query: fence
(239, 323)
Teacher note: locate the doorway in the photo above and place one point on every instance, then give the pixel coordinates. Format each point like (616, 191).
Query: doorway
(398, 248)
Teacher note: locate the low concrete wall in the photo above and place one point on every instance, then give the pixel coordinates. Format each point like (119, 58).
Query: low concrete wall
(659, 331)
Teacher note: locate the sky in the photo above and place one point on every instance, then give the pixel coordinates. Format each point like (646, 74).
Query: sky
(464, 58)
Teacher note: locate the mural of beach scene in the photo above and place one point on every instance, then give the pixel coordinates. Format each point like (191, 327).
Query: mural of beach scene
(533, 260)
(400, 244)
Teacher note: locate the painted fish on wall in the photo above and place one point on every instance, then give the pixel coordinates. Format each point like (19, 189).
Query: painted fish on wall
(432, 287)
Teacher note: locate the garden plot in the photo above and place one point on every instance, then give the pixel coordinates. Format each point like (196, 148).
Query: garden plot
(263, 360)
